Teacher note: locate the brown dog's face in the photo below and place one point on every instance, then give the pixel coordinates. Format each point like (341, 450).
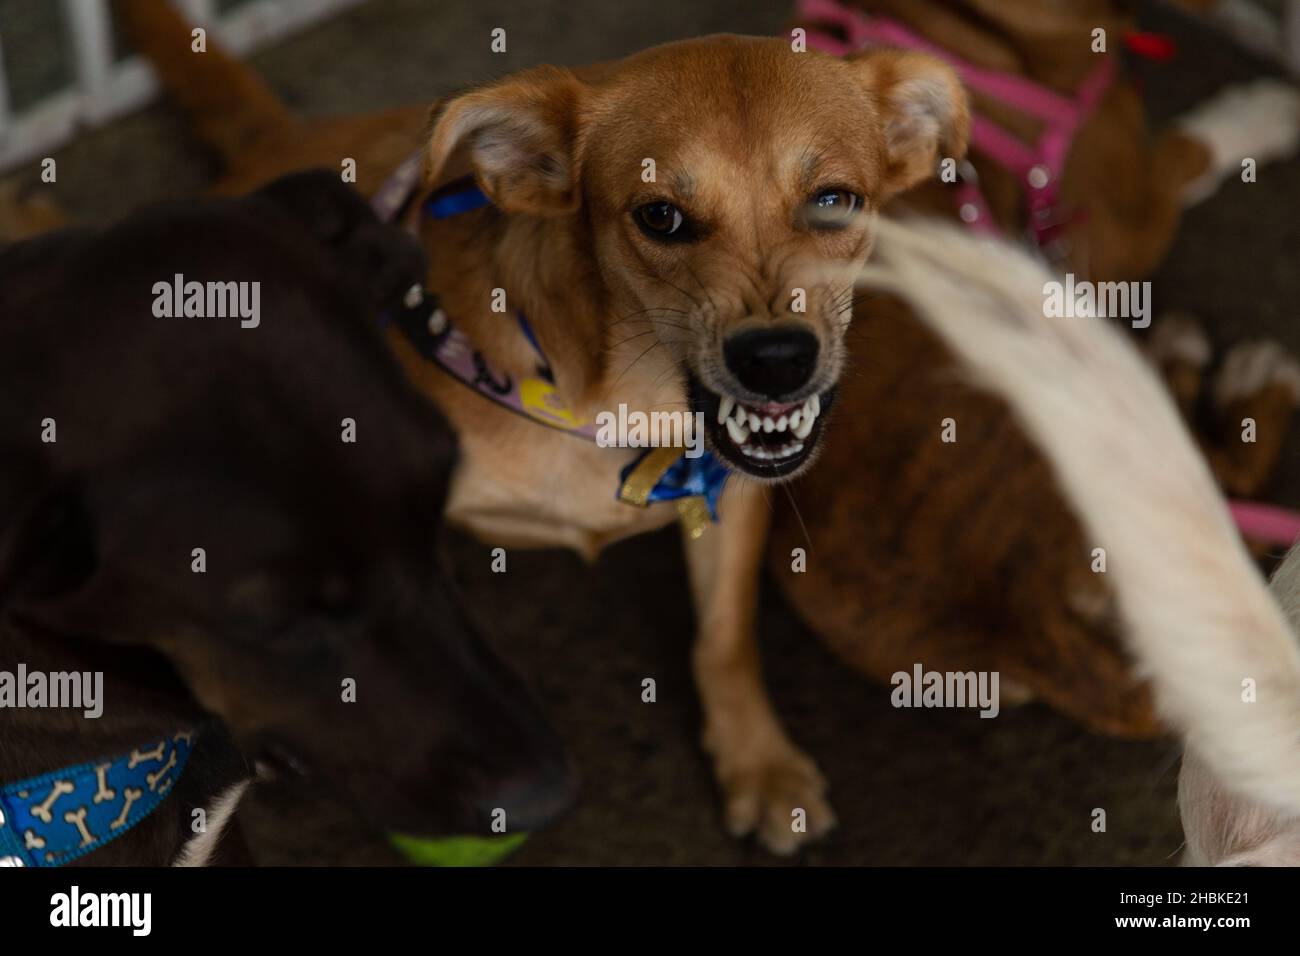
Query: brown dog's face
(726, 189)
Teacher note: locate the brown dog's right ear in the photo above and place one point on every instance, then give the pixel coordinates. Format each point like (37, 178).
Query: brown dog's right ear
(924, 109)
(521, 136)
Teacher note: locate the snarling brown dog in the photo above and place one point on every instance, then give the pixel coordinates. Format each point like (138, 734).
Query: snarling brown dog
(770, 164)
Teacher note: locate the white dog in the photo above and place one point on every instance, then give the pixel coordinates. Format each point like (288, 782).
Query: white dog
(1222, 657)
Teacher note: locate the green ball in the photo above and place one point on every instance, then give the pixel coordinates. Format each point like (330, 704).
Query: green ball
(458, 850)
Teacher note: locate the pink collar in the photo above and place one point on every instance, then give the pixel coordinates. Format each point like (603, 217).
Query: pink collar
(1038, 166)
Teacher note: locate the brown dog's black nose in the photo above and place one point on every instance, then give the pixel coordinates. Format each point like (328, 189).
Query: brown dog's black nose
(772, 362)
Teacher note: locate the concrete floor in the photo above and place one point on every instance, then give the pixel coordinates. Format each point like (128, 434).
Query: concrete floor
(910, 787)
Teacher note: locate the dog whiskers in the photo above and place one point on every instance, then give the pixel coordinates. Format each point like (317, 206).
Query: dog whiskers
(616, 381)
(619, 344)
(686, 295)
(652, 309)
(703, 288)
(615, 345)
(785, 486)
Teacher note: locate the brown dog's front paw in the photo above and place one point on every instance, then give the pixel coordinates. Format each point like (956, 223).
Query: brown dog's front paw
(779, 798)
(1256, 392)
(1180, 349)
(1253, 368)
(1178, 338)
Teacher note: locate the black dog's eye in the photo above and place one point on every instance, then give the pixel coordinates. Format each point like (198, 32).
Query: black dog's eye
(662, 221)
(832, 208)
(335, 597)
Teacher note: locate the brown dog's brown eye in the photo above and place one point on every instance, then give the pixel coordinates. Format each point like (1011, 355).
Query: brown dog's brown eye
(832, 208)
(662, 220)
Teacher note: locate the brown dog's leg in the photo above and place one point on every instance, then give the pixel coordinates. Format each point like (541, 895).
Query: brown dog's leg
(765, 779)
(1129, 238)
(1132, 220)
(1257, 122)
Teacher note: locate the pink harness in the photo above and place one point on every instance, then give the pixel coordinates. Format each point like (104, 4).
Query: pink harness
(1037, 166)
(1268, 524)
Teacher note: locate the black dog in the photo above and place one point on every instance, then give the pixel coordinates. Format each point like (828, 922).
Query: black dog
(314, 630)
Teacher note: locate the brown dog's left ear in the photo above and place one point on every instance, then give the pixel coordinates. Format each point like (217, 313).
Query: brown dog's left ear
(521, 136)
(924, 110)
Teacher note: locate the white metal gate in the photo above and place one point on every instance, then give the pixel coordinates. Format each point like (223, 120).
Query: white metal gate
(103, 90)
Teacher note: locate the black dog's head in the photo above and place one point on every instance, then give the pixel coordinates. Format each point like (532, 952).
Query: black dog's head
(262, 504)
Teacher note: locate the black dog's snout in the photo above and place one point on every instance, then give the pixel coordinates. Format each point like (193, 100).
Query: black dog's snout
(772, 362)
(534, 796)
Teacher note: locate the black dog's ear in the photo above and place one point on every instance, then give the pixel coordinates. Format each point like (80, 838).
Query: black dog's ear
(50, 550)
(383, 259)
(320, 200)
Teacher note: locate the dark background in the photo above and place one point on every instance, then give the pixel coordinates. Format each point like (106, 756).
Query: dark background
(910, 787)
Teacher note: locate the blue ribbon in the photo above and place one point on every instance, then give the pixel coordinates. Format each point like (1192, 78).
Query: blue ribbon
(704, 476)
(87, 805)
(455, 203)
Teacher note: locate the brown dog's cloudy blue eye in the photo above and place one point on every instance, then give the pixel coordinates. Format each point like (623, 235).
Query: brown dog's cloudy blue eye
(662, 220)
(832, 208)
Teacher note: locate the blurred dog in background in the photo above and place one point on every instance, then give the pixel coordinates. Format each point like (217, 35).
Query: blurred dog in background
(963, 553)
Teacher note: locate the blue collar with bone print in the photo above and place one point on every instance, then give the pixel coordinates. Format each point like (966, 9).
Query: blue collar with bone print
(57, 817)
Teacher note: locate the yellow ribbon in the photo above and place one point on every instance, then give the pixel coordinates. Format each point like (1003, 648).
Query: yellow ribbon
(636, 489)
(693, 511)
(694, 515)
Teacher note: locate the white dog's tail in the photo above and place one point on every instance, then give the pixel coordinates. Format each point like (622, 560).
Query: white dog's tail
(1202, 626)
